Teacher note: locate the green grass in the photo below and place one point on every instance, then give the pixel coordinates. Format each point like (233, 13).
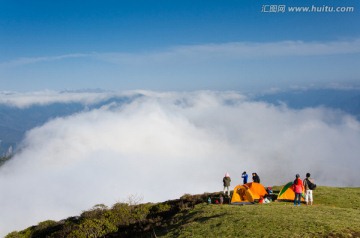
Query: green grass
(338, 197)
(335, 213)
(268, 220)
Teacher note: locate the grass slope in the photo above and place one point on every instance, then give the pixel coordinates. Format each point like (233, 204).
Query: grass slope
(335, 213)
(270, 220)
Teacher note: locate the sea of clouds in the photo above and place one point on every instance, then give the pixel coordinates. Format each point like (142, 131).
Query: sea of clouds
(162, 145)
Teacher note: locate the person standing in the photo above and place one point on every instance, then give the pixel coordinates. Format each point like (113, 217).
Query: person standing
(226, 181)
(298, 189)
(255, 178)
(308, 190)
(245, 177)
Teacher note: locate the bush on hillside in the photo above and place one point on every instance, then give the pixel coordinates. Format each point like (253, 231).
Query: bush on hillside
(93, 228)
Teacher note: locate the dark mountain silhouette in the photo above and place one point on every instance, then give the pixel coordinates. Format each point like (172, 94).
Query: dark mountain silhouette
(14, 121)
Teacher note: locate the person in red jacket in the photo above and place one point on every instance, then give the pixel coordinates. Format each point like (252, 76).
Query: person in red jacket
(298, 189)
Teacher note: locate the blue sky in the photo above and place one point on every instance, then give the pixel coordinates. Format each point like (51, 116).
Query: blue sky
(176, 45)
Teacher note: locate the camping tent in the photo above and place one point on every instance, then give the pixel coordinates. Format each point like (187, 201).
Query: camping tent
(247, 193)
(287, 193)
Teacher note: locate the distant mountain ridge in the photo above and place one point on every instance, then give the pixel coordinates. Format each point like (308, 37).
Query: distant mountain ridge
(15, 121)
(346, 100)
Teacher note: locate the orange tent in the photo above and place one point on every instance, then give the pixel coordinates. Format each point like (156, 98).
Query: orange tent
(247, 193)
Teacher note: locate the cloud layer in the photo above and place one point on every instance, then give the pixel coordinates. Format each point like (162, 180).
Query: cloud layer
(163, 145)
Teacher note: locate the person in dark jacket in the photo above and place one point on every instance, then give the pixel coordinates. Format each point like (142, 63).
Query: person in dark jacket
(308, 190)
(226, 181)
(255, 178)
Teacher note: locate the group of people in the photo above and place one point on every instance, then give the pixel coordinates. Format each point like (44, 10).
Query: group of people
(244, 176)
(255, 177)
(298, 186)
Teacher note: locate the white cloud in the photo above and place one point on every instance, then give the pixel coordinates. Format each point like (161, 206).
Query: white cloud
(163, 145)
(46, 97)
(235, 50)
(33, 60)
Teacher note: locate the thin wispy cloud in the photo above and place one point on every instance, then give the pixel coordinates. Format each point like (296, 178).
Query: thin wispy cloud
(225, 66)
(236, 51)
(33, 60)
(282, 48)
(225, 51)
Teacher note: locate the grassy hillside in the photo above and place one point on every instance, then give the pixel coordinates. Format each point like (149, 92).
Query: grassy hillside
(335, 213)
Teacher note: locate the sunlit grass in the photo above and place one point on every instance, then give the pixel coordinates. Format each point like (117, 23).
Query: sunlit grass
(334, 214)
